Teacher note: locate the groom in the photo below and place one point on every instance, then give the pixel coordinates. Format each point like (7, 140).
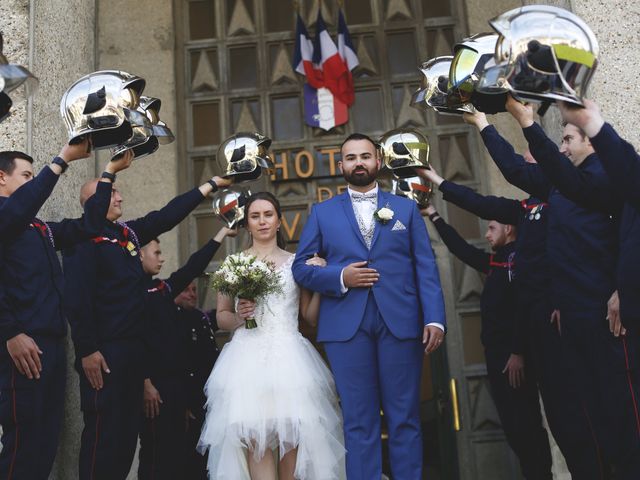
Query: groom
(380, 295)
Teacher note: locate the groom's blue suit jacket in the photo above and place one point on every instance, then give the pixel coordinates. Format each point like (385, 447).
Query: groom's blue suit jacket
(408, 293)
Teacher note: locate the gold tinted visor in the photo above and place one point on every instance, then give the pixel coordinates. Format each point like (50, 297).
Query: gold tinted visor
(462, 68)
(130, 98)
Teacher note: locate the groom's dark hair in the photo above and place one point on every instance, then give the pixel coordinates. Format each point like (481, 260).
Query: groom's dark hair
(359, 136)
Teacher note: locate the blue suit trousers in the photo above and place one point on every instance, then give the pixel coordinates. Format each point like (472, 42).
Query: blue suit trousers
(374, 369)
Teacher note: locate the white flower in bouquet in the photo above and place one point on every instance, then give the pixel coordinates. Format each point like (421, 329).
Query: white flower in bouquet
(244, 276)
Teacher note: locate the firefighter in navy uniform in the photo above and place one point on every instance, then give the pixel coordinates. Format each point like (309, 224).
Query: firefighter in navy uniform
(165, 405)
(622, 163)
(514, 392)
(202, 352)
(106, 295)
(569, 426)
(583, 246)
(33, 362)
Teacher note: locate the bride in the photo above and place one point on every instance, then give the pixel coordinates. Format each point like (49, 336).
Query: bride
(270, 392)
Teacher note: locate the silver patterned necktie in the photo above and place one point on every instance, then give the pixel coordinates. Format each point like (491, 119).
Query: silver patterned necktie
(366, 230)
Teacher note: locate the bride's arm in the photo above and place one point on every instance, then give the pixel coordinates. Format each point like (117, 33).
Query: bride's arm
(309, 306)
(310, 301)
(227, 317)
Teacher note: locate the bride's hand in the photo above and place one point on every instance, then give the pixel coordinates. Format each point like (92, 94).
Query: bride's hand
(246, 308)
(316, 261)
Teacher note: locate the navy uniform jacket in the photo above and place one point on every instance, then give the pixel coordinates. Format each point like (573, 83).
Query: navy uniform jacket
(529, 216)
(105, 283)
(202, 352)
(497, 303)
(582, 235)
(622, 164)
(164, 335)
(532, 265)
(31, 278)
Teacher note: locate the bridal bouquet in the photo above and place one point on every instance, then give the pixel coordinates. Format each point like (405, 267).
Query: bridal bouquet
(244, 276)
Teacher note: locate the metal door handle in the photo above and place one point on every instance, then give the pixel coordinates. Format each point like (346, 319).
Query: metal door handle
(453, 388)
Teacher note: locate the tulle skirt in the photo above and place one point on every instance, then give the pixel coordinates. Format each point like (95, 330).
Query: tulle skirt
(272, 392)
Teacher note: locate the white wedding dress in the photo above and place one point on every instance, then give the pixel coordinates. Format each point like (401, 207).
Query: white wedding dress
(270, 389)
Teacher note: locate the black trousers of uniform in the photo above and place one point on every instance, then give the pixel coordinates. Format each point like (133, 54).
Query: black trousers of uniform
(31, 413)
(567, 414)
(112, 414)
(604, 372)
(519, 412)
(162, 439)
(196, 464)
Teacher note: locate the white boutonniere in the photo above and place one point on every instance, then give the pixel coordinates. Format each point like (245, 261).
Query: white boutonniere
(383, 215)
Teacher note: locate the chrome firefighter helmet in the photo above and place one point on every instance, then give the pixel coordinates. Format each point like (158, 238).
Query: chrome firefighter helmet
(13, 76)
(151, 108)
(469, 60)
(244, 156)
(147, 141)
(543, 54)
(414, 188)
(94, 105)
(433, 90)
(403, 150)
(228, 206)
(141, 136)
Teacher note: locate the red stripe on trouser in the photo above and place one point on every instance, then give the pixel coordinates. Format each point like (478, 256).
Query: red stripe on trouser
(15, 422)
(95, 445)
(633, 395)
(153, 448)
(595, 439)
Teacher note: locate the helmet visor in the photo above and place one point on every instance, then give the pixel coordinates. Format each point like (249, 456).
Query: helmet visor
(419, 98)
(163, 134)
(13, 76)
(130, 98)
(462, 67)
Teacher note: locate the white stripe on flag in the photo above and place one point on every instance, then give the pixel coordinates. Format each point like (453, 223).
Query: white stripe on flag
(347, 54)
(326, 109)
(327, 47)
(306, 51)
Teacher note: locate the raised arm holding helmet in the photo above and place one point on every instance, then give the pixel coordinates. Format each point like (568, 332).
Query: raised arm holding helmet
(31, 320)
(622, 164)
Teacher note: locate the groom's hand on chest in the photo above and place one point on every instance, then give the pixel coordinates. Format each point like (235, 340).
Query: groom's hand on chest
(358, 275)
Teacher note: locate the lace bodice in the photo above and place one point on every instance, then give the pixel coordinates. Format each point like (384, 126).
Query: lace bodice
(278, 313)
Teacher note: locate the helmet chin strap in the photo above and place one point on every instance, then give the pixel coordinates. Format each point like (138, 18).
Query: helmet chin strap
(544, 106)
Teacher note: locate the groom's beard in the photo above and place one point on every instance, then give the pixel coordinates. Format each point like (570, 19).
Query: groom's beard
(361, 179)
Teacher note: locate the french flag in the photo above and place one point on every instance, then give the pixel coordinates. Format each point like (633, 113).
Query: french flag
(303, 56)
(321, 63)
(325, 54)
(349, 58)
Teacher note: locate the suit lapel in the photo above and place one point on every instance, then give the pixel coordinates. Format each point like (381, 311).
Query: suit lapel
(381, 202)
(348, 211)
